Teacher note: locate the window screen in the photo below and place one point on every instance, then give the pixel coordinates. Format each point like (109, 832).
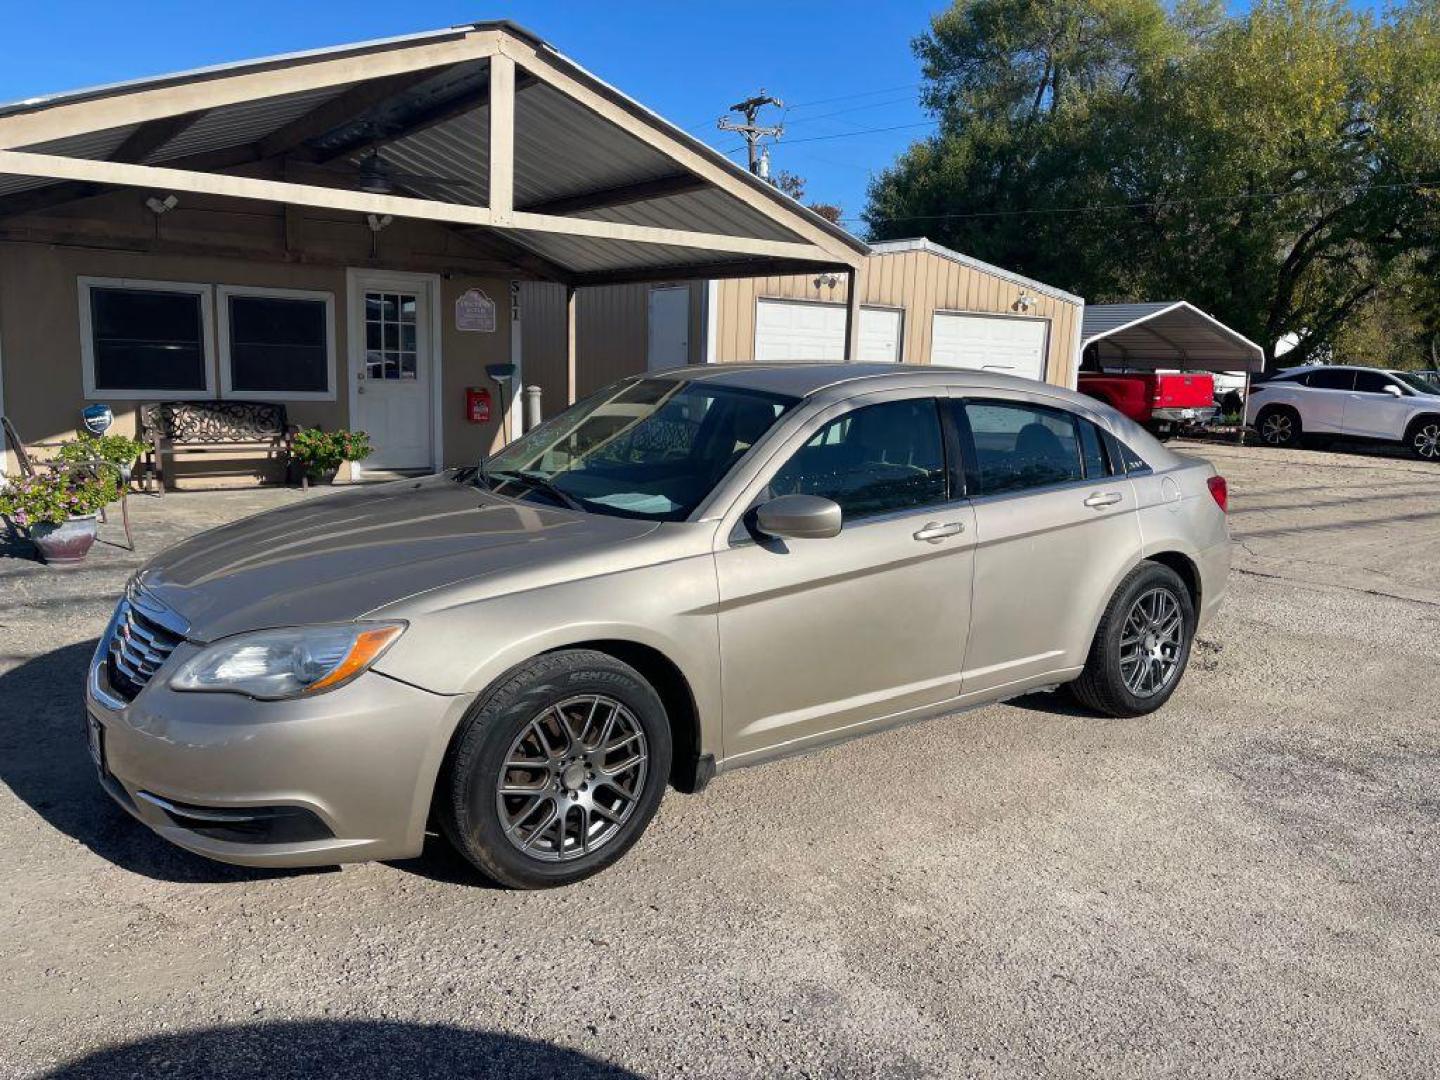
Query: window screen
(875, 460)
(279, 344)
(147, 339)
(1019, 446)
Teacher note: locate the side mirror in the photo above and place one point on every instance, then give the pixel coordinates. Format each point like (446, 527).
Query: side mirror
(1393, 390)
(800, 517)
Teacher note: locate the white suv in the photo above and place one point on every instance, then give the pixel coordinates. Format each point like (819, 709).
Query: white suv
(1347, 402)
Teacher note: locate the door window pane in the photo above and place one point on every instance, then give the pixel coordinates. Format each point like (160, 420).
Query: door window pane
(279, 344)
(391, 329)
(147, 339)
(1330, 380)
(875, 460)
(1019, 446)
(1371, 382)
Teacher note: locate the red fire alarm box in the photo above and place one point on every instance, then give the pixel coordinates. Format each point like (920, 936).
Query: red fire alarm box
(477, 404)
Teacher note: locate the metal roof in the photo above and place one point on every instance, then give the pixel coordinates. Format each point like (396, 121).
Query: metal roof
(1166, 334)
(920, 243)
(562, 148)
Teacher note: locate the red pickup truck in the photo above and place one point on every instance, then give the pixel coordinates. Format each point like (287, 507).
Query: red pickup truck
(1156, 399)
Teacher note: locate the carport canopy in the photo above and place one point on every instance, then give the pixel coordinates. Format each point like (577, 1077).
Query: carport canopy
(483, 127)
(1170, 334)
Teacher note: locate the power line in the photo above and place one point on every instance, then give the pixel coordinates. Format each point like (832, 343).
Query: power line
(1158, 203)
(860, 94)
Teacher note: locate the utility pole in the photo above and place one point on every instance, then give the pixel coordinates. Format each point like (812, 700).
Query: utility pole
(753, 133)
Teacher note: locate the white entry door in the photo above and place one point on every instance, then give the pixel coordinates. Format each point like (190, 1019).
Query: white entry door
(669, 344)
(799, 330)
(393, 367)
(1008, 344)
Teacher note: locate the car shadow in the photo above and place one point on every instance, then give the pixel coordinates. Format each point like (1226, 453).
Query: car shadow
(44, 760)
(1053, 702)
(324, 1048)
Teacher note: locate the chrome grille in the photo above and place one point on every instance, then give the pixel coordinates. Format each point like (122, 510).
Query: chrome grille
(142, 636)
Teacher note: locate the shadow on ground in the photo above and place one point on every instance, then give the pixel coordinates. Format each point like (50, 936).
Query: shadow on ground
(44, 761)
(368, 1048)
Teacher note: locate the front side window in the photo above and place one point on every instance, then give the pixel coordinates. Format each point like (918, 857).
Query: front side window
(1372, 382)
(144, 339)
(878, 459)
(646, 448)
(276, 345)
(1018, 446)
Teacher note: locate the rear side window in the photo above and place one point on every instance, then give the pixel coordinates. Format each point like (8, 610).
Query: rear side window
(1092, 451)
(1016, 446)
(876, 460)
(1330, 380)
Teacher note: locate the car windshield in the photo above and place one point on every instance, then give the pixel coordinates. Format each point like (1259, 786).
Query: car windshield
(1416, 383)
(646, 448)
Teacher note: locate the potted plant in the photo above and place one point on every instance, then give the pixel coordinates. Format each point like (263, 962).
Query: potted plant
(117, 450)
(57, 510)
(318, 454)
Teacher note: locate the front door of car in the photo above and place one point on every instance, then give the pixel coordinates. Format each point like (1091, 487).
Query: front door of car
(1055, 528)
(1322, 402)
(1373, 411)
(817, 635)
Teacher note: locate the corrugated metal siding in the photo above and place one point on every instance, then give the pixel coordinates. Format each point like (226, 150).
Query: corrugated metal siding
(94, 145)
(612, 336)
(245, 122)
(921, 283)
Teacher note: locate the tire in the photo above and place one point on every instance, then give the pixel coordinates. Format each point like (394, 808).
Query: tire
(1423, 438)
(1150, 588)
(1279, 425)
(570, 809)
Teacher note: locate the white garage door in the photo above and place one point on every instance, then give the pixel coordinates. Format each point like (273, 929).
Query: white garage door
(790, 330)
(1013, 346)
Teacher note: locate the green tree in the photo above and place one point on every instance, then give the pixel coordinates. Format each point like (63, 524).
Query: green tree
(1265, 167)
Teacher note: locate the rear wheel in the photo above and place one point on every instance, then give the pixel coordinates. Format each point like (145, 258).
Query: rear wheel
(1424, 438)
(558, 771)
(1279, 425)
(1141, 646)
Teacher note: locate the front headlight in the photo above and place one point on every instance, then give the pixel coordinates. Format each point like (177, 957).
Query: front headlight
(288, 663)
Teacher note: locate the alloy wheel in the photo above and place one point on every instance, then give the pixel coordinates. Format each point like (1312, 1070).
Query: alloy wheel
(572, 778)
(1277, 428)
(1151, 642)
(1427, 441)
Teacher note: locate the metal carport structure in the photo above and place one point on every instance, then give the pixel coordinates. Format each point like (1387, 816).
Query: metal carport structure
(483, 128)
(1168, 334)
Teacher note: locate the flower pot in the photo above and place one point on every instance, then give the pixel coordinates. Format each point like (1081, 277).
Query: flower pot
(67, 543)
(321, 476)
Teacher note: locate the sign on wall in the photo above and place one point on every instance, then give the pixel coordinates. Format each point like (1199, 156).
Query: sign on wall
(474, 312)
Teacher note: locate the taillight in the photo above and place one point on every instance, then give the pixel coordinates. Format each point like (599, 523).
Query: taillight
(1220, 491)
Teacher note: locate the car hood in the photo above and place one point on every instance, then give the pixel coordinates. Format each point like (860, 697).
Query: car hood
(336, 558)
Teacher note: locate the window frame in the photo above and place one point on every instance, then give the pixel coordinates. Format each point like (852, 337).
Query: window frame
(223, 293)
(84, 288)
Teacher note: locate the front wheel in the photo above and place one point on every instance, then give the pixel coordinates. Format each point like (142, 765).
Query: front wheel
(1141, 646)
(1424, 438)
(558, 771)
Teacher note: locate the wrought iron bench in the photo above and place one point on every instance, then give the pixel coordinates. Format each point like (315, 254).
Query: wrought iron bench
(210, 427)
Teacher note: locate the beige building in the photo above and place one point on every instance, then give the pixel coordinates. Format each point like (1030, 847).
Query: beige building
(920, 303)
(341, 232)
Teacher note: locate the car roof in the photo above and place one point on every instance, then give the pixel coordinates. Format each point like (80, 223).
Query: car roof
(803, 380)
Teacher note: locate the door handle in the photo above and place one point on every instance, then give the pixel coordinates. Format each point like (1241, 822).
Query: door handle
(934, 532)
(1102, 499)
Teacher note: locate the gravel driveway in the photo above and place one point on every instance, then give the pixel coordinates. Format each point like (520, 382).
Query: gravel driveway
(1242, 885)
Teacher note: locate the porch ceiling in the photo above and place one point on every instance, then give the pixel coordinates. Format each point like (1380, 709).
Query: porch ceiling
(483, 127)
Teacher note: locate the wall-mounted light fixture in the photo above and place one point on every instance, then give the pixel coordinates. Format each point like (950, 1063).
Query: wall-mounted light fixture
(159, 206)
(1024, 302)
(828, 281)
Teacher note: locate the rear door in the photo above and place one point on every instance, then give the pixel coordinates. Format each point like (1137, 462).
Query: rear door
(1322, 402)
(1055, 529)
(820, 635)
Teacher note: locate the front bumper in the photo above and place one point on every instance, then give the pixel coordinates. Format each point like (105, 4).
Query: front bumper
(342, 777)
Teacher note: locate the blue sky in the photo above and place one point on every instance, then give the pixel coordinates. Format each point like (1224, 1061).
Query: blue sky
(840, 66)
